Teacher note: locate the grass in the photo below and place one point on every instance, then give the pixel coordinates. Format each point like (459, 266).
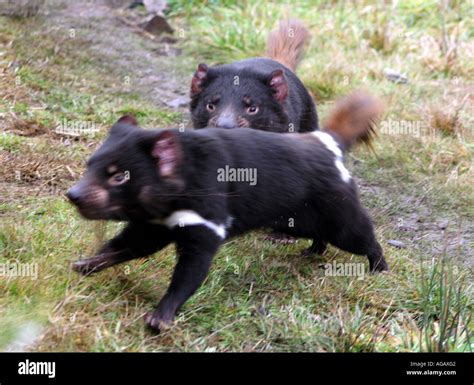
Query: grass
(377, 35)
(258, 296)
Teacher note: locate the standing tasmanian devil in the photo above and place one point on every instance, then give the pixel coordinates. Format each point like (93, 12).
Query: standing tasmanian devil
(260, 93)
(199, 188)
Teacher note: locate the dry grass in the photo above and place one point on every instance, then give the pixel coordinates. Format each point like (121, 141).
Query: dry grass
(21, 8)
(447, 119)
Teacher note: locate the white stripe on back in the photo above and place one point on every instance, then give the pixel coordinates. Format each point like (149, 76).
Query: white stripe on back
(332, 146)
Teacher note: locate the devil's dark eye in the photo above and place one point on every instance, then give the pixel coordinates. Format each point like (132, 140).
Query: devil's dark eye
(119, 178)
(252, 110)
(210, 107)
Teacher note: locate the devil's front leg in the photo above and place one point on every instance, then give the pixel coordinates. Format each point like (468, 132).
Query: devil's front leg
(196, 246)
(136, 240)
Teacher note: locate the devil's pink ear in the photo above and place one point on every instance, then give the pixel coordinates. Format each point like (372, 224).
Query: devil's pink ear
(128, 119)
(279, 85)
(198, 79)
(167, 151)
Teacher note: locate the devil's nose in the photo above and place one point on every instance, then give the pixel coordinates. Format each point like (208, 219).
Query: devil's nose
(226, 122)
(73, 195)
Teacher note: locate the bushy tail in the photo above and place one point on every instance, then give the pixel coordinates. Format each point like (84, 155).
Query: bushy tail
(286, 44)
(354, 118)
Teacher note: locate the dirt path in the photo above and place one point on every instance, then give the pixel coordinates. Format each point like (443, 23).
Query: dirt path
(420, 226)
(154, 70)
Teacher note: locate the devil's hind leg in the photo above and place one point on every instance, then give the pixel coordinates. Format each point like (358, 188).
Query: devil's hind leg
(358, 237)
(317, 247)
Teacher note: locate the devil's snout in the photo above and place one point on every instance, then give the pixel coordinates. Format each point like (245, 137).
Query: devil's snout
(74, 194)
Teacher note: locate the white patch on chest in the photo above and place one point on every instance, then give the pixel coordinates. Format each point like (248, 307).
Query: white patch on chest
(332, 146)
(183, 218)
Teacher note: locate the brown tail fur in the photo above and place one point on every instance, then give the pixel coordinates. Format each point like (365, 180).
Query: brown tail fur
(286, 44)
(354, 118)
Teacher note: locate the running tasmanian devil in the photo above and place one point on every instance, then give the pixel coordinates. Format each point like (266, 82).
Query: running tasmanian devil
(260, 93)
(169, 187)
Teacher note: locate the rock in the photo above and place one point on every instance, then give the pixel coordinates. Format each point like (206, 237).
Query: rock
(180, 101)
(395, 76)
(397, 244)
(157, 25)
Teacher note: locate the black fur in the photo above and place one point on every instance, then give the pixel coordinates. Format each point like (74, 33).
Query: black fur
(299, 191)
(232, 88)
